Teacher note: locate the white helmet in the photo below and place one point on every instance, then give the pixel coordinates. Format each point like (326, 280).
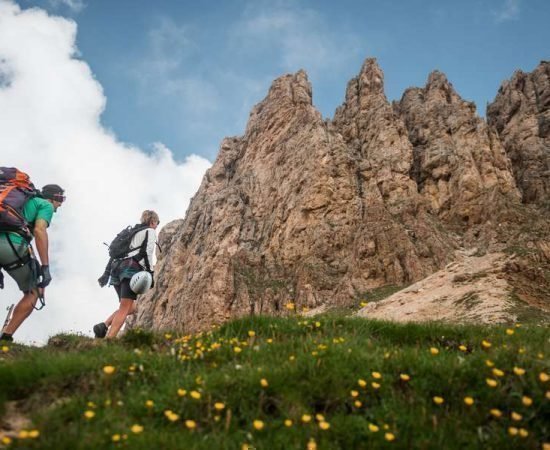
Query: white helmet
(141, 282)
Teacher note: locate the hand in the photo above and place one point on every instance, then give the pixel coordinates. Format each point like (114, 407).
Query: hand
(46, 277)
(103, 279)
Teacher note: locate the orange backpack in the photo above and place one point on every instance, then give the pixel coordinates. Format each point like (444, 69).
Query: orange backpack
(15, 190)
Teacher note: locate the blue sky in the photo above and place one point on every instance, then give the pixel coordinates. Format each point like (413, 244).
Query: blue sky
(187, 73)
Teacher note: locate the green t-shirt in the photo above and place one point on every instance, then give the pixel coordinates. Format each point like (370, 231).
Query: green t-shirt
(35, 208)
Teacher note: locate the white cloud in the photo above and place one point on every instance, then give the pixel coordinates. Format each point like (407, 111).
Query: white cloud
(50, 107)
(508, 11)
(74, 5)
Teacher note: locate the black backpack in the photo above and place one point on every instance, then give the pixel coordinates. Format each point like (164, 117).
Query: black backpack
(120, 247)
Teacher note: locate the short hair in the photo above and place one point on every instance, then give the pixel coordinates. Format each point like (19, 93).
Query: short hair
(148, 216)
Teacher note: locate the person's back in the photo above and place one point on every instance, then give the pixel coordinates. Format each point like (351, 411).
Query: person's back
(17, 257)
(120, 270)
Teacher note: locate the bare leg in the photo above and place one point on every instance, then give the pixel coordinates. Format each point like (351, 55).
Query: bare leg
(120, 316)
(21, 312)
(109, 320)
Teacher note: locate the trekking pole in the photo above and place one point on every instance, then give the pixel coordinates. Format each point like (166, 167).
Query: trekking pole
(8, 316)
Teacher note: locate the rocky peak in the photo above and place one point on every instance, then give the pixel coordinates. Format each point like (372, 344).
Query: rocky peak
(521, 115)
(321, 211)
(458, 162)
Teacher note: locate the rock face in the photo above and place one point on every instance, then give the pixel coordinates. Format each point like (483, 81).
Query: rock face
(521, 115)
(316, 212)
(459, 164)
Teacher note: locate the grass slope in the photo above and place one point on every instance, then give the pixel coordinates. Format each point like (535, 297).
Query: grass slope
(328, 383)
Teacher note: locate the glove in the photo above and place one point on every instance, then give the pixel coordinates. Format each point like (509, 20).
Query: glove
(103, 279)
(46, 277)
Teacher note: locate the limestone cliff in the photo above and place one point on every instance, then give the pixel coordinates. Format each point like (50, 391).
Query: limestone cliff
(316, 212)
(521, 115)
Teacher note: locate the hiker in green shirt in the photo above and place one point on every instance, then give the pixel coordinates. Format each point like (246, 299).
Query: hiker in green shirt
(16, 255)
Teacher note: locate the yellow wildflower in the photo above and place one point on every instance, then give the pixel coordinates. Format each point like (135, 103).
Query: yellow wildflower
(115, 437)
(89, 414)
(509, 332)
(324, 425)
(5, 349)
(462, 348)
(544, 377)
(252, 333)
(362, 383)
(376, 375)
(191, 424)
(258, 425)
(219, 406)
(290, 306)
(527, 401)
(171, 416)
(291, 358)
(195, 394)
(354, 393)
(237, 349)
(469, 401)
(363, 304)
(358, 404)
(317, 324)
(264, 382)
(269, 341)
(498, 372)
(136, 429)
(404, 377)
(512, 431)
(306, 418)
(182, 392)
(319, 417)
(491, 383)
(496, 412)
(515, 416)
(521, 350)
(489, 363)
(373, 428)
(6, 440)
(389, 437)
(149, 403)
(523, 432)
(23, 434)
(486, 344)
(519, 371)
(33, 434)
(109, 370)
(288, 423)
(311, 445)
(375, 385)
(434, 351)
(438, 400)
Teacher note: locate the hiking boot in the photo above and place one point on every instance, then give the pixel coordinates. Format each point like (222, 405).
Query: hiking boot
(100, 330)
(6, 337)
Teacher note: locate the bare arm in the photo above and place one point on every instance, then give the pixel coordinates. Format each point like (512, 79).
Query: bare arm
(41, 237)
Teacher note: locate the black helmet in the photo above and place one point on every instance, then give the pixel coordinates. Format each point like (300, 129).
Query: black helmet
(54, 192)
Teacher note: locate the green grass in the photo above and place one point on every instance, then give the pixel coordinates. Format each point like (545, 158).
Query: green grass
(311, 366)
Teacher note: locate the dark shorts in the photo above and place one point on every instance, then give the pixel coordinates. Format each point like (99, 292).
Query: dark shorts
(123, 290)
